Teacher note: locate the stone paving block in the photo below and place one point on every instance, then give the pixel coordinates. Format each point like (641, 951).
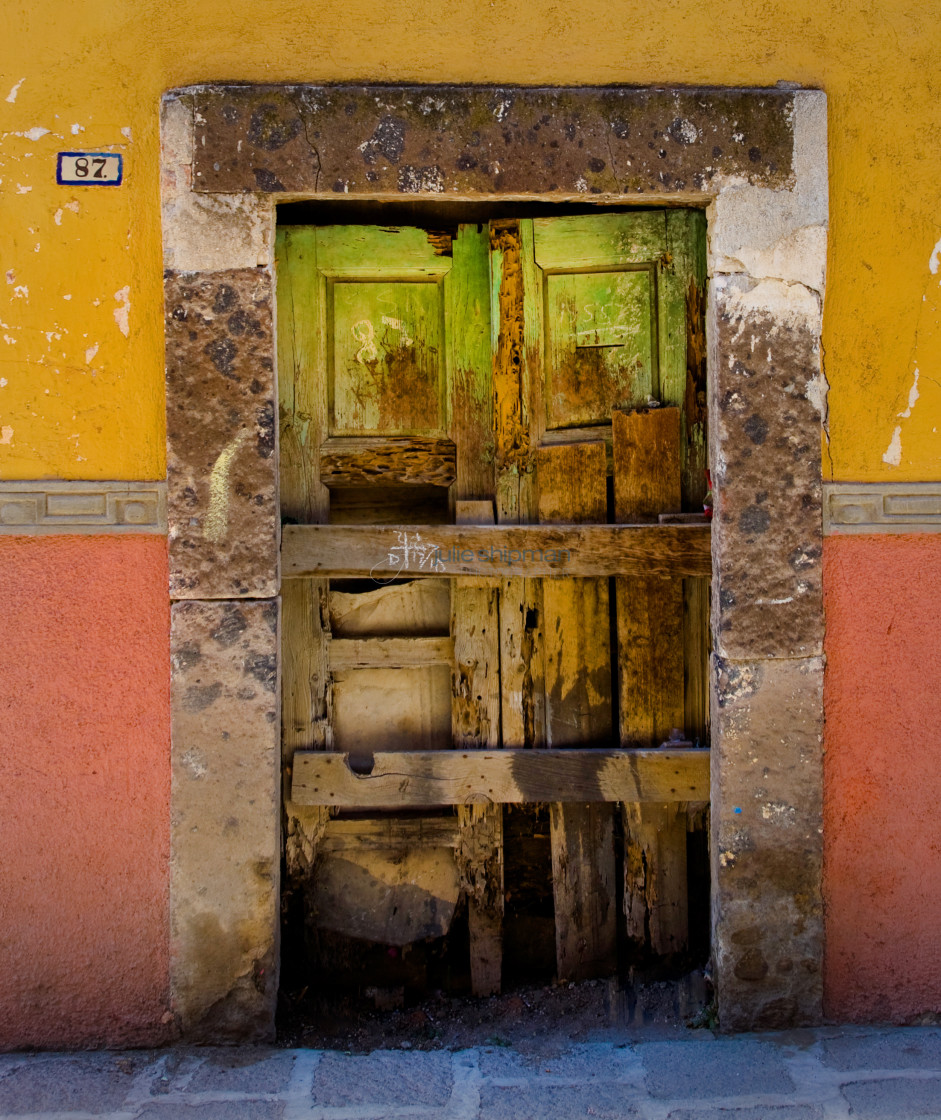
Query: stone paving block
(783, 1112)
(215, 1110)
(894, 1099)
(93, 1084)
(387, 1077)
(912, 1048)
(598, 1062)
(241, 1071)
(557, 1102)
(712, 1069)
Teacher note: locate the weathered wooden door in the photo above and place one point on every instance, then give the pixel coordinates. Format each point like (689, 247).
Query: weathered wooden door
(535, 371)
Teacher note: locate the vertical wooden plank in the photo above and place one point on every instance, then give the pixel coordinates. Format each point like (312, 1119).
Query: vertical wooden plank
(683, 307)
(468, 349)
(304, 500)
(571, 487)
(649, 611)
(513, 349)
(650, 661)
(475, 622)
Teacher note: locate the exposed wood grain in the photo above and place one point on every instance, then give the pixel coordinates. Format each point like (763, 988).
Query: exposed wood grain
(647, 483)
(411, 779)
(388, 653)
(475, 725)
(503, 550)
(304, 498)
(656, 897)
(511, 438)
(649, 610)
(572, 486)
(390, 833)
(479, 855)
(468, 339)
(583, 879)
(389, 461)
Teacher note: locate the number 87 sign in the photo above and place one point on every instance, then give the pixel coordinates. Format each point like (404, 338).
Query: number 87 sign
(90, 169)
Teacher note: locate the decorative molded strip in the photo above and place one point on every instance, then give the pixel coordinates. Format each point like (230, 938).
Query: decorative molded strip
(882, 507)
(29, 508)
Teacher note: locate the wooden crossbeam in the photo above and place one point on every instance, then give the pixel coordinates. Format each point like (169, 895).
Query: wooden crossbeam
(388, 653)
(496, 550)
(413, 779)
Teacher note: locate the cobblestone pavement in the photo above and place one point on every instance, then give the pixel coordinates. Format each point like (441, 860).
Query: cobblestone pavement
(798, 1075)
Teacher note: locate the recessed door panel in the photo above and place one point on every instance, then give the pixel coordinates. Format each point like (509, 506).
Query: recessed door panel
(386, 372)
(600, 348)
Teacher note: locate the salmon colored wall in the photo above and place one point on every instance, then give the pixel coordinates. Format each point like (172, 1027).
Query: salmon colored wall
(84, 790)
(883, 776)
(81, 389)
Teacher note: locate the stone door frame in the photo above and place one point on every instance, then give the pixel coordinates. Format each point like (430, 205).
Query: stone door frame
(756, 159)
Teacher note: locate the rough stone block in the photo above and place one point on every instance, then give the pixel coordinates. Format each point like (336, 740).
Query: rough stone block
(767, 531)
(779, 234)
(710, 1070)
(767, 843)
(225, 833)
(221, 411)
(556, 1102)
(201, 232)
(385, 1077)
(94, 1085)
(432, 140)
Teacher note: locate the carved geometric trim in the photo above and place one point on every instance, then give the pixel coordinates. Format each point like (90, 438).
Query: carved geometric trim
(881, 507)
(82, 508)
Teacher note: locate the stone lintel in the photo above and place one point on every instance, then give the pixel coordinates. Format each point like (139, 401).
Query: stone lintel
(225, 818)
(484, 140)
(222, 464)
(766, 791)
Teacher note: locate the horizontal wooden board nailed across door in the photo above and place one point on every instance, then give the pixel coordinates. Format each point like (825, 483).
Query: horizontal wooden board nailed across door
(498, 551)
(400, 780)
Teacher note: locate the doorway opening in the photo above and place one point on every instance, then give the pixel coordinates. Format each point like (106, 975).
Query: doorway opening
(490, 365)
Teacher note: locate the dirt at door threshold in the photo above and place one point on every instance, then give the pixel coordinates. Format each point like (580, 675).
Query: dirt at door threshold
(593, 1011)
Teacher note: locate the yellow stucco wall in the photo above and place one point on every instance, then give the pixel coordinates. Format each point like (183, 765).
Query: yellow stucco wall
(81, 361)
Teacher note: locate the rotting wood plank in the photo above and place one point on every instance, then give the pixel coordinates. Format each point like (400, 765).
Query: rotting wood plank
(304, 499)
(422, 779)
(389, 461)
(572, 486)
(475, 725)
(533, 551)
(647, 483)
(390, 833)
(388, 653)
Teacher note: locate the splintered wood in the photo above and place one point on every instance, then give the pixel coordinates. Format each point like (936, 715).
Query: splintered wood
(647, 482)
(572, 486)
